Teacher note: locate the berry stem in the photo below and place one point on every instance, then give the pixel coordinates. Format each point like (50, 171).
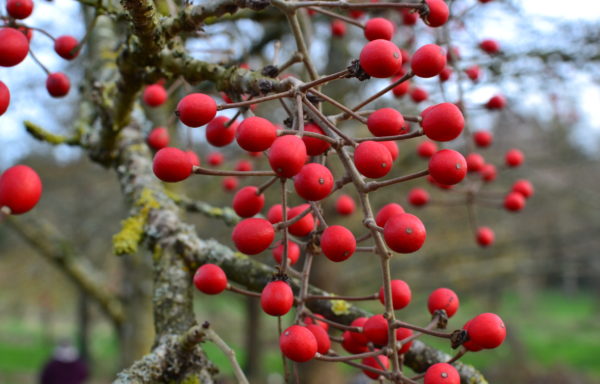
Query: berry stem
(281, 132)
(340, 106)
(402, 324)
(243, 291)
(337, 358)
(323, 80)
(347, 19)
(374, 185)
(284, 257)
(229, 353)
(38, 62)
(258, 100)
(262, 188)
(214, 172)
(335, 324)
(374, 296)
(347, 5)
(383, 91)
(286, 223)
(329, 124)
(406, 136)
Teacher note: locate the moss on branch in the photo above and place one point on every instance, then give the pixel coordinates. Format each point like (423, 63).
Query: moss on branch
(41, 134)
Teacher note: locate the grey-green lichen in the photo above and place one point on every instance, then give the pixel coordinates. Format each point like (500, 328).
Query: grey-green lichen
(126, 241)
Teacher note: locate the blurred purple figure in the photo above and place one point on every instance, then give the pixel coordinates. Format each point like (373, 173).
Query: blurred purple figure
(65, 366)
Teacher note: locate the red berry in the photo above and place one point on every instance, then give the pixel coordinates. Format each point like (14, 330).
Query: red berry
(314, 146)
(487, 330)
(418, 197)
(58, 84)
(243, 166)
(323, 340)
(376, 362)
(524, 187)
(19, 9)
(485, 236)
(438, 13)
(372, 159)
(404, 233)
(418, 94)
(445, 74)
(447, 167)
(298, 344)
(475, 162)
(356, 13)
(386, 212)
(401, 334)
(453, 54)
(247, 202)
(514, 158)
(210, 279)
(409, 17)
(428, 61)
(293, 253)
(400, 89)
(514, 202)
(194, 159)
(392, 147)
(443, 298)
(171, 165)
(380, 58)
(488, 172)
(359, 338)
(4, 98)
(277, 298)
(338, 28)
(427, 149)
(322, 324)
(256, 134)
(443, 122)
(218, 133)
(385, 122)
(338, 243)
(441, 373)
(496, 102)
(230, 183)
(473, 72)
(287, 155)
(376, 330)
(20, 189)
(252, 236)
(351, 345)
(469, 344)
(14, 47)
(482, 139)
(66, 47)
(196, 109)
(379, 28)
(490, 46)
(314, 182)
(158, 138)
(275, 214)
(305, 225)
(345, 205)
(435, 183)
(401, 294)
(215, 158)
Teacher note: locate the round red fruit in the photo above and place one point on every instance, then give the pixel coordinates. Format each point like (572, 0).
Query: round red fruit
(215, 158)
(314, 182)
(386, 212)
(438, 13)
(293, 253)
(401, 294)
(490, 46)
(287, 155)
(482, 139)
(376, 330)
(524, 187)
(418, 197)
(488, 172)
(375, 362)
(447, 167)
(252, 236)
(219, 132)
(20, 189)
(404, 233)
(298, 344)
(171, 165)
(194, 159)
(379, 28)
(14, 47)
(473, 72)
(66, 47)
(487, 330)
(256, 134)
(400, 89)
(314, 146)
(351, 345)
(385, 122)
(372, 159)
(475, 162)
(392, 147)
(401, 334)
(158, 138)
(418, 94)
(305, 225)
(322, 324)
(323, 340)
(275, 214)
(19, 9)
(247, 202)
(345, 205)
(514, 158)
(230, 183)
(277, 298)
(427, 149)
(338, 243)
(4, 98)
(443, 298)
(196, 109)
(445, 74)
(496, 102)
(443, 122)
(210, 279)
(380, 58)
(243, 166)
(441, 373)
(58, 84)
(484, 236)
(338, 28)
(428, 61)
(514, 202)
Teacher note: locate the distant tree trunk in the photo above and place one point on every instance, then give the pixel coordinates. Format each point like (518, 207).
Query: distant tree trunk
(253, 363)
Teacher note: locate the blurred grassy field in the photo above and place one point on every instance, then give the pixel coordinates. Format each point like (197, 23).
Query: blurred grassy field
(549, 330)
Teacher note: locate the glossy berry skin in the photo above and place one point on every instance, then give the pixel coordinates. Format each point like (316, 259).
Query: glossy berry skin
(445, 74)
(252, 236)
(428, 61)
(514, 158)
(277, 298)
(14, 47)
(386, 212)
(65, 46)
(514, 202)
(496, 102)
(443, 122)
(323, 340)
(418, 94)
(401, 334)
(287, 155)
(488, 173)
(338, 28)
(372, 159)
(418, 197)
(338, 243)
(158, 138)
(473, 72)
(487, 330)
(275, 214)
(215, 158)
(379, 28)
(385, 122)
(218, 133)
(447, 167)
(19, 9)
(345, 205)
(20, 189)
(171, 165)
(359, 337)
(375, 330)
(392, 147)
(247, 203)
(443, 298)
(524, 187)
(58, 84)
(305, 225)
(196, 109)
(210, 279)
(314, 182)
(293, 253)
(380, 58)
(351, 345)
(404, 233)
(438, 13)
(4, 98)
(475, 162)
(409, 17)
(427, 149)
(441, 373)
(255, 134)
(469, 344)
(193, 157)
(376, 362)
(298, 344)
(485, 236)
(243, 166)
(400, 89)
(490, 46)
(483, 139)
(230, 183)
(314, 146)
(154, 95)
(401, 294)
(322, 324)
